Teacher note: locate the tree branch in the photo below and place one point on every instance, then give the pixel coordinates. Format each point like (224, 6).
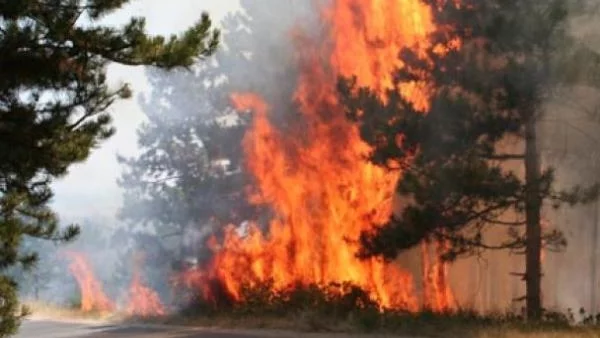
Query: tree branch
(498, 222)
(504, 157)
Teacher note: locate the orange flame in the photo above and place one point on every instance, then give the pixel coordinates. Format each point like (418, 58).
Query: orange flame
(545, 225)
(438, 296)
(93, 297)
(315, 177)
(143, 301)
(368, 37)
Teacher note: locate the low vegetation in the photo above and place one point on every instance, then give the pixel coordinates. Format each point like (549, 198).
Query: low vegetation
(346, 309)
(338, 310)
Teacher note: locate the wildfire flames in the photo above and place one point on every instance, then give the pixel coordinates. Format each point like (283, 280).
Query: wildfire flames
(437, 293)
(142, 301)
(368, 37)
(92, 295)
(314, 176)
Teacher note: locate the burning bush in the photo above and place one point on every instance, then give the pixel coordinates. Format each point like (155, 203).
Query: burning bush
(317, 306)
(348, 307)
(332, 300)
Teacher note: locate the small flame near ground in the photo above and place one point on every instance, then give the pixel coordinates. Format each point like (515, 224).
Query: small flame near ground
(141, 300)
(314, 175)
(92, 296)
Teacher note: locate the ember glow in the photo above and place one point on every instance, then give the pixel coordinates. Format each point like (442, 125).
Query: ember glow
(314, 175)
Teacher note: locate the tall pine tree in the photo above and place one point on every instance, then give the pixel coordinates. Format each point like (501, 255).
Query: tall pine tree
(53, 103)
(458, 157)
(175, 186)
(187, 180)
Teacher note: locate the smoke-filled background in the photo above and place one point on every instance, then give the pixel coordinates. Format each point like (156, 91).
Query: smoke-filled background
(171, 174)
(174, 172)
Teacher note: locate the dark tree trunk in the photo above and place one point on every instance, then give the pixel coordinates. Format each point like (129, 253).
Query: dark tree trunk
(593, 257)
(182, 246)
(533, 204)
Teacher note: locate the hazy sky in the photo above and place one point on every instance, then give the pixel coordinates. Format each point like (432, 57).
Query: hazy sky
(90, 189)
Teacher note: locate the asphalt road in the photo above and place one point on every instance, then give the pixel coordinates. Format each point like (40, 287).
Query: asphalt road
(55, 329)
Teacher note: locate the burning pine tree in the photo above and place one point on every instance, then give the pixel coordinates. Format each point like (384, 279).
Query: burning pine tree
(506, 59)
(313, 173)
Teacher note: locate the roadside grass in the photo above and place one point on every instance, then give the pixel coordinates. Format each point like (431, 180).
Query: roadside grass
(312, 323)
(335, 310)
(416, 325)
(43, 310)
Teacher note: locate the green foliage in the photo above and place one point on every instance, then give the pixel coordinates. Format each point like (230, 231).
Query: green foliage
(10, 312)
(178, 181)
(33, 282)
(53, 107)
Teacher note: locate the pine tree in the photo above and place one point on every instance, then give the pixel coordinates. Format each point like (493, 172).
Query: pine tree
(53, 107)
(186, 178)
(175, 186)
(456, 157)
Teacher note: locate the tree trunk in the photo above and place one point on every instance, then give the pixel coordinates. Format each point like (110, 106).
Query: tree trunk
(533, 205)
(36, 284)
(594, 255)
(182, 246)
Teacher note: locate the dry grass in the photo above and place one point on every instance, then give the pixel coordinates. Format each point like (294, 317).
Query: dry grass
(306, 325)
(311, 324)
(288, 328)
(40, 310)
(345, 310)
(224, 322)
